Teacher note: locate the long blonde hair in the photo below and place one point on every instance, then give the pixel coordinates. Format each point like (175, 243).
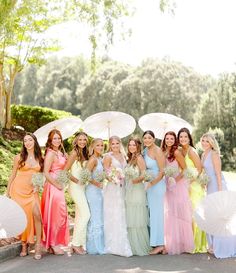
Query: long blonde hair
(92, 145)
(212, 141)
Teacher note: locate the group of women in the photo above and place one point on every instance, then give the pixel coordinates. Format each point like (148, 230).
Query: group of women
(126, 216)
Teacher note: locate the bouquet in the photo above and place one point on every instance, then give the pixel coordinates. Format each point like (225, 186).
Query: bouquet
(131, 173)
(203, 179)
(148, 176)
(191, 173)
(171, 171)
(116, 175)
(101, 177)
(63, 178)
(84, 176)
(38, 180)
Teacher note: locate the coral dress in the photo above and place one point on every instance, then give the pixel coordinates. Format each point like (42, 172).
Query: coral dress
(196, 195)
(178, 216)
(22, 192)
(54, 210)
(223, 247)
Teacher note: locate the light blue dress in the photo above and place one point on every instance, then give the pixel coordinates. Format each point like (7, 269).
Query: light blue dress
(155, 197)
(95, 231)
(223, 247)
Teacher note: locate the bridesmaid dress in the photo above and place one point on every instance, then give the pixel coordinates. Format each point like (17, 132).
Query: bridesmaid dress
(23, 193)
(178, 216)
(54, 209)
(196, 195)
(82, 213)
(155, 197)
(115, 228)
(223, 247)
(95, 229)
(137, 217)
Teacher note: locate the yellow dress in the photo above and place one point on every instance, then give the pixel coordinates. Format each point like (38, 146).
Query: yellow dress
(196, 194)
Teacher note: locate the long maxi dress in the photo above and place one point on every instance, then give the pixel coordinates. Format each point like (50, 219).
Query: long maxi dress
(155, 197)
(178, 215)
(223, 247)
(137, 217)
(54, 209)
(196, 195)
(22, 192)
(82, 213)
(115, 227)
(95, 229)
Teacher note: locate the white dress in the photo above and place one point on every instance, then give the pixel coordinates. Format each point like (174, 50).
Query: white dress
(115, 228)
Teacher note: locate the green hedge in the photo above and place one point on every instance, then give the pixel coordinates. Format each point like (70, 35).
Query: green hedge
(33, 117)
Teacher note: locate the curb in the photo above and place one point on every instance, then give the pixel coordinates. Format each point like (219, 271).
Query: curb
(10, 251)
(13, 250)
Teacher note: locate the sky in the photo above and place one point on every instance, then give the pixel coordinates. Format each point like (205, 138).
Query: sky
(201, 34)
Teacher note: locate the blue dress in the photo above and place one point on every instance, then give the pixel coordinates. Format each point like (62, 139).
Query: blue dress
(223, 247)
(95, 230)
(155, 197)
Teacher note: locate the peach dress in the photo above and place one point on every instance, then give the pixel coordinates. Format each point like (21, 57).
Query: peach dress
(22, 192)
(54, 210)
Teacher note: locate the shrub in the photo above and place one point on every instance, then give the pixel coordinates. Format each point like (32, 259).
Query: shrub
(33, 117)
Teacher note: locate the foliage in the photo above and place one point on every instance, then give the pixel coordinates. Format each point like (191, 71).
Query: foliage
(33, 117)
(217, 112)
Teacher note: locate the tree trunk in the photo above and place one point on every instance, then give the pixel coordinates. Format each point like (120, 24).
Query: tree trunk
(2, 104)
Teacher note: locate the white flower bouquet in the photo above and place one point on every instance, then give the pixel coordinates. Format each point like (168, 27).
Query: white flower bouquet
(203, 179)
(85, 176)
(148, 175)
(38, 180)
(63, 178)
(101, 177)
(171, 171)
(131, 172)
(191, 173)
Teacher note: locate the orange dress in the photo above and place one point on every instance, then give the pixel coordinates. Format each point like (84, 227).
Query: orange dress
(21, 191)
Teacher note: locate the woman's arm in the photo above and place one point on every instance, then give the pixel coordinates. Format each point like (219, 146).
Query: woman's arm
(142, 167)
(160, 159)
(217, 167)
(180, 159)
(196, 160)
(47, 166)
(92, 163)
(13, 173)
(70, 161)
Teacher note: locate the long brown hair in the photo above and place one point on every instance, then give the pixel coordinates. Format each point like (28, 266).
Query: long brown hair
(37, 152)
(82, 154)
(50, 138)
(174, 147)
(132, 158)
(186, 130)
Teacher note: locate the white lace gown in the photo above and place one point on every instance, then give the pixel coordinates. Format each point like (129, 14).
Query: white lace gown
(115, 228)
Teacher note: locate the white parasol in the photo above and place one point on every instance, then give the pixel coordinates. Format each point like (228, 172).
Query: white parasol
(110, 123)
(12, 218)
(67, 126)
(216, 213)
(160, 123)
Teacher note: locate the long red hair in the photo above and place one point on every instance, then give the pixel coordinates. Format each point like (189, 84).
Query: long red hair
(174, 147)
(50, 138)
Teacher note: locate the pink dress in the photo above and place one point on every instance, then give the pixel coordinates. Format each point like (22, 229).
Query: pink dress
(54, 210)
(178, 216)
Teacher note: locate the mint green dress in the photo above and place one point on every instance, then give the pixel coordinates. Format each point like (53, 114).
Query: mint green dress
(137, 217)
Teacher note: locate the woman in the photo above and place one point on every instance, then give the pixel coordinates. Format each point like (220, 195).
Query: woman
(95, 232)
(221, 247)
(178, 210)
(76, 162)
(115, 228)
(20, 189)
(54, 210)
(155, 162)
(136, 203)
(192, 160)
